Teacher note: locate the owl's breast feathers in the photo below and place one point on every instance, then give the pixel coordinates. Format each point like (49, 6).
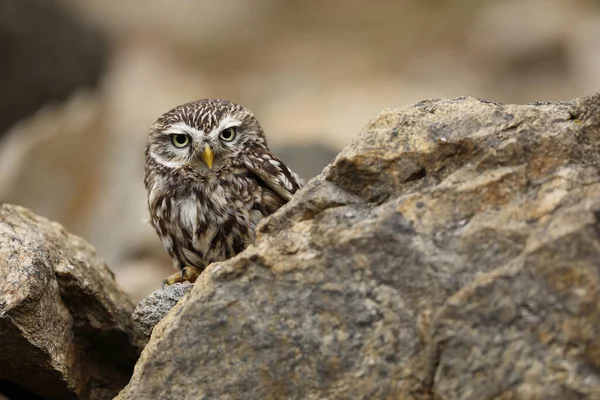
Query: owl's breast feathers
(212, 220)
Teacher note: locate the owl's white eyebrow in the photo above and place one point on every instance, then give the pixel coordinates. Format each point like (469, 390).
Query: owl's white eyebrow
(161, 161)
(225, 123)
(180, 127)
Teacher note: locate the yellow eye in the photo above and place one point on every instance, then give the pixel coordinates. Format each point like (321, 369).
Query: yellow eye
(180, 140)
(228, 134)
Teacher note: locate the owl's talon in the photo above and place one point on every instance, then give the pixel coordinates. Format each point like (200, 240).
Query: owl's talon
(189, 274)
(171, 279)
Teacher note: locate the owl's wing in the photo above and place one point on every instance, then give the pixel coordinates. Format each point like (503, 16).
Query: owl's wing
(274, 173)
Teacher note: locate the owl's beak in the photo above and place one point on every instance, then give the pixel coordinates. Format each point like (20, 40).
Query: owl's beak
(208, 156)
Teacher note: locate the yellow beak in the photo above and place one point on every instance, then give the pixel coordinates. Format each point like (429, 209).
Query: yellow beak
(208, 156)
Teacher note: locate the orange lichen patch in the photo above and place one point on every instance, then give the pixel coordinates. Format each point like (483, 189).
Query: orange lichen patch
(541, 163)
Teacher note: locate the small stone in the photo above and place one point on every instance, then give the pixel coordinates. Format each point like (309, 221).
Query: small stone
(153, 308)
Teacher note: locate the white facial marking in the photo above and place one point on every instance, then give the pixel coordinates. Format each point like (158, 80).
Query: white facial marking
(225, 123)
(182, 128)
(168, 164)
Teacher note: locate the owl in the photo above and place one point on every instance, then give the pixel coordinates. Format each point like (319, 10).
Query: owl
(211, 178)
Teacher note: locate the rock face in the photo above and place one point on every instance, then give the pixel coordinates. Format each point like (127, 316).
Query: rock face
(451, 251)
(65, 326)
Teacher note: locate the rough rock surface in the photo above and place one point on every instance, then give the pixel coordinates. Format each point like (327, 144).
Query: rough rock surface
(65, 326)
(451, 251)
(153, 308)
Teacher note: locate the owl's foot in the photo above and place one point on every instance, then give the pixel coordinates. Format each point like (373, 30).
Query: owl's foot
(189, 274)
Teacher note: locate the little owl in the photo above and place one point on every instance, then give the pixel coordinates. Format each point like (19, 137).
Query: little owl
(211, 178)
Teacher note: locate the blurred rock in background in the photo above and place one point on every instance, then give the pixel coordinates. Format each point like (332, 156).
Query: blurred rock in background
(46, 55)
(314, 73)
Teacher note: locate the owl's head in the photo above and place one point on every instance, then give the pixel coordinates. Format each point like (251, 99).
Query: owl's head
(204, 135)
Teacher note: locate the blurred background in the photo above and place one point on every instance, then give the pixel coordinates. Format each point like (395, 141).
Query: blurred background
(82, 81)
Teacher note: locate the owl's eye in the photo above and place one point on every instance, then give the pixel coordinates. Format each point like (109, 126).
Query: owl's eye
(228, 134)
(180, 140)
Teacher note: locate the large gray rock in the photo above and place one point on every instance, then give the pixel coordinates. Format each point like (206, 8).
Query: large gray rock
(65, 325)
(451, 251)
